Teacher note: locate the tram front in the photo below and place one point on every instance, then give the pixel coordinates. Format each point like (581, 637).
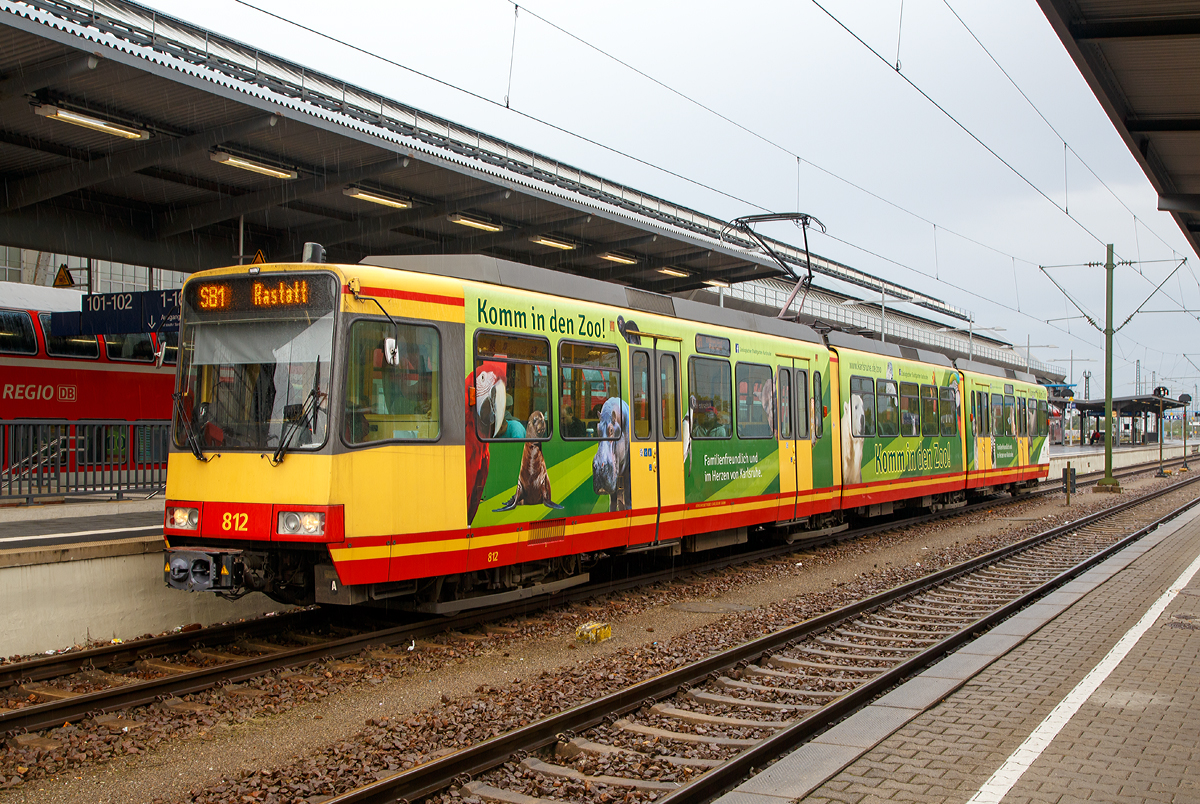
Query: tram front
(248, 483)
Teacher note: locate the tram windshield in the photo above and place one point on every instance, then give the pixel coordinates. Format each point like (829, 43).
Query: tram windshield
(254, 378)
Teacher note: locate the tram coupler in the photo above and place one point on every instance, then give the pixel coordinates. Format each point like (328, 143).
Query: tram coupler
(203, 571)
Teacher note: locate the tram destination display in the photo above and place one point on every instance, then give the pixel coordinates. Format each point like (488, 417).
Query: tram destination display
(266, 294)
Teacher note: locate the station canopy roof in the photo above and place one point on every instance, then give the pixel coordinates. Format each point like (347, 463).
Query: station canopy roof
(357, 172)
(1142, 60)
(1129, 405)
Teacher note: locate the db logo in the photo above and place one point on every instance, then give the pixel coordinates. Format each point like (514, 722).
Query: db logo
(67, 393)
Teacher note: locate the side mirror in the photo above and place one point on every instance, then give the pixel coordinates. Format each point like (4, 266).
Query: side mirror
(390, 352)
(160, 354)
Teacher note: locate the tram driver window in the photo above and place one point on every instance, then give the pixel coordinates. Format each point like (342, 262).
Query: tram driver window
(386, 402)
(712, 392)
(510, 395)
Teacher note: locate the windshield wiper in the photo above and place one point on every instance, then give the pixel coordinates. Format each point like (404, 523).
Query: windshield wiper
(189, 434)
(310, 407)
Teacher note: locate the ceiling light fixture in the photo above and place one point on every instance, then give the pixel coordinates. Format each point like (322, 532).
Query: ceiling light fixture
(254, 167)
(716, 283)
(88, 121)
(377, 198)
(552, 242)
(474, 223)
(674, 272)
(622, 259)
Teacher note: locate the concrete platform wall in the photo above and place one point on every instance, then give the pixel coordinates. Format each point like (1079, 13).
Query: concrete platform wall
(55, 605)
(1093, 461)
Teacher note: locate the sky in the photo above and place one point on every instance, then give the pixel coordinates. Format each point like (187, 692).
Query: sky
(738, 109)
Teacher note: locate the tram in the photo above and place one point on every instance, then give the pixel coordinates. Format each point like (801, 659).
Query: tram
(437, 433)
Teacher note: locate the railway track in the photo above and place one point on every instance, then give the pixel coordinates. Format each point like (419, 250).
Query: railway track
(691, 733)
(69, 686)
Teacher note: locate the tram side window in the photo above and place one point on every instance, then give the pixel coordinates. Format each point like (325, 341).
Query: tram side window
(16, 333)
(668, 383)
(983, 418)
(589, 375)
(639, 394)
(862, 406)
(755, 401)
(1043, 421)
(910, 409)
(386, 402)
(83, 346)
(889, 408)
(998, 428)
(137, 347)
(520, 368)
(1010, 423)
(1022, 417)
(801, 403)
(1031, 415)
(818, 406)
(710, 386)
(785, 403)
(948, 412)
(929, 410)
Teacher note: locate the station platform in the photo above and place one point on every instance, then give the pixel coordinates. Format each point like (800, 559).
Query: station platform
(1087, 458)
(78, 572)
(1089, 695)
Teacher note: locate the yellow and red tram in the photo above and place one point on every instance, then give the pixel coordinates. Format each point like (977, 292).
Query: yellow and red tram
(444, 432)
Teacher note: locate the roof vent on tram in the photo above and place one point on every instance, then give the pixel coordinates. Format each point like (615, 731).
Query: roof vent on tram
(314, 252)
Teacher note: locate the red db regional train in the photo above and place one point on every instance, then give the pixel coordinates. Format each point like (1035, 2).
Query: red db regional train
(446, 432)
(77, 377)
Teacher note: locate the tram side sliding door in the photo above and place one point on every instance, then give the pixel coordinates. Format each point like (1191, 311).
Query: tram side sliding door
(656, 449)
(795, 446)
(669, 464)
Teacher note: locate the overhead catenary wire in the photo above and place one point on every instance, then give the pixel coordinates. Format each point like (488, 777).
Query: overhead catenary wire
(624, 154)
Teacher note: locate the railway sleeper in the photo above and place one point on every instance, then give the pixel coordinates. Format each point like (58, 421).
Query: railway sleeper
(486, 792)
(705, 697)
(689, 716)
(163, 666)
(101, 677)
(766, 672)
(890, 629)
(901, 611)
(852, 657)
(729, 683)
(681, 736)
(558, 771)
(925, 638)
(254, 646)
(579, 746)
(800, 664)
(47, 693)
(839, 643)
(215, 655)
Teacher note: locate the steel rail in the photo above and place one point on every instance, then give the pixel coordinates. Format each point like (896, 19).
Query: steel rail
(430, 777)
(47, 667)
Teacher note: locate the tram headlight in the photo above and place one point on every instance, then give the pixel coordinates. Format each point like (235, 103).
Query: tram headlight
(307, 523)
(183, 518)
